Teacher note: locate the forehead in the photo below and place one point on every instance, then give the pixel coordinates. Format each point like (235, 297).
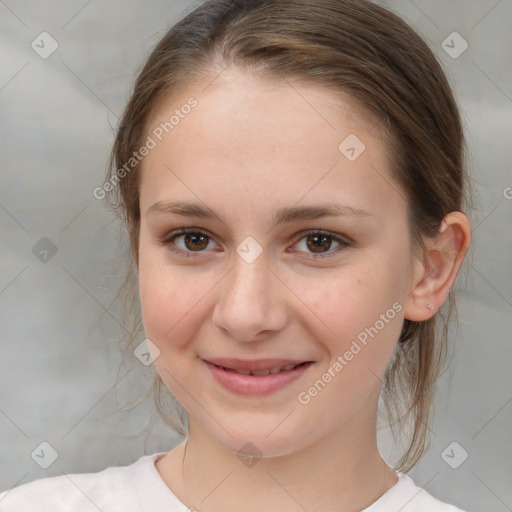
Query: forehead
(244, 100)
(263, 138)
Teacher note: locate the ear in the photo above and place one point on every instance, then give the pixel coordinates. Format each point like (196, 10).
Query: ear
(435, 272)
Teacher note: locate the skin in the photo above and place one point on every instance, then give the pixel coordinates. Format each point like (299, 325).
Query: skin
(249, 148)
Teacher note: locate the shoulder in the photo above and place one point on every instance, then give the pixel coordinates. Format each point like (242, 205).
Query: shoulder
(406, 496)
(113, 489)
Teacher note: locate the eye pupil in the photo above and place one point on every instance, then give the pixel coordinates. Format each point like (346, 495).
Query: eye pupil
(323, 245)
(195, 237)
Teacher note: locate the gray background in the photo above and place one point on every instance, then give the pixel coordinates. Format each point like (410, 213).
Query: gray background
(57, 371)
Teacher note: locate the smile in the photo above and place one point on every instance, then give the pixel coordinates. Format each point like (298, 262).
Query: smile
(257, 378)
(261, 373)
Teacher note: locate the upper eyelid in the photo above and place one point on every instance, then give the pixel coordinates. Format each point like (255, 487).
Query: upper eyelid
(183, 231)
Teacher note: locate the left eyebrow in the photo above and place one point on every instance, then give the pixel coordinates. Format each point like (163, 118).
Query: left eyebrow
(285, 215)
(280, 216)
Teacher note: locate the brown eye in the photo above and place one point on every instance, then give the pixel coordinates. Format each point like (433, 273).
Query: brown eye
(318, 243)
(195, 241)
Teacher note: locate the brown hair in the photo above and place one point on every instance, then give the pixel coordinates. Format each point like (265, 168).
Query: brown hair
(351, 46)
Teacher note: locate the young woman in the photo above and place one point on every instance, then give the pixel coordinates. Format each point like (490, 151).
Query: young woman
(292, 180)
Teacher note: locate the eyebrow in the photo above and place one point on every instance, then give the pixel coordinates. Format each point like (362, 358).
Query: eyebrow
(281, 216)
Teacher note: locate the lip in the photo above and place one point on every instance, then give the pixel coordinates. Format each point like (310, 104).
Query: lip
(256, 385)
(253, 364)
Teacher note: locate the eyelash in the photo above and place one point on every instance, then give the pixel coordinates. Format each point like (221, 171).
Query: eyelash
(168, 240)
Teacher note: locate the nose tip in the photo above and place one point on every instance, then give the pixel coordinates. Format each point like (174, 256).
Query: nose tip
(249, 304)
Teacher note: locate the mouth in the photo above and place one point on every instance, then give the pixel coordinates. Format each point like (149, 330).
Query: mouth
(256, 377)
(262, 373)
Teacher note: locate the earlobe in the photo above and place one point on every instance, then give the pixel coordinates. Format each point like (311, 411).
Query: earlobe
(435, 274)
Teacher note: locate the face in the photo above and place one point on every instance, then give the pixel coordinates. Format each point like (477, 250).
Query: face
(252, 282)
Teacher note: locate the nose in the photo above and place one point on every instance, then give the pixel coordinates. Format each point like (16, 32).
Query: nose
(251, 304)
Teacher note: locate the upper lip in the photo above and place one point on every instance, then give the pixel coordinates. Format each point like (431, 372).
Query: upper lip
(253, 364)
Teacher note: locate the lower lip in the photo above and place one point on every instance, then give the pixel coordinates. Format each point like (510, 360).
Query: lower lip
(255, 384)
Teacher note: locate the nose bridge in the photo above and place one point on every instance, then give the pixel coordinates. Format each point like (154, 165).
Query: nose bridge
(250, 284)
(249, 303)
(251, 276)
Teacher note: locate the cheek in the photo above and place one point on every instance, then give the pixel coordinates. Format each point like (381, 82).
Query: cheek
(168, 296)
(360, 312)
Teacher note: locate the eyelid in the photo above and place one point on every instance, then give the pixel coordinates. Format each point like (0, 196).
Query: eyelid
(343, 240)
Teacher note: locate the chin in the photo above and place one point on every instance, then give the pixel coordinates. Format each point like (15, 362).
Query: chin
(258, 443)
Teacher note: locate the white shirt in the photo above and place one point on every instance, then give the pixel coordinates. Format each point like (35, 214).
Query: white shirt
(140, 488)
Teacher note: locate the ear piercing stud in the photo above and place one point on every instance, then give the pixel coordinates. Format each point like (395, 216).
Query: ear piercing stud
(429, 306)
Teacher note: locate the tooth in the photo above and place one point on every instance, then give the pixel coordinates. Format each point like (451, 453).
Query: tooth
(276, 369)
(289, 367)
(244, 372)
(261, 372)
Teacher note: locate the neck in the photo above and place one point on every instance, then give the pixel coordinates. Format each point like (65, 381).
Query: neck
(341, 471)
